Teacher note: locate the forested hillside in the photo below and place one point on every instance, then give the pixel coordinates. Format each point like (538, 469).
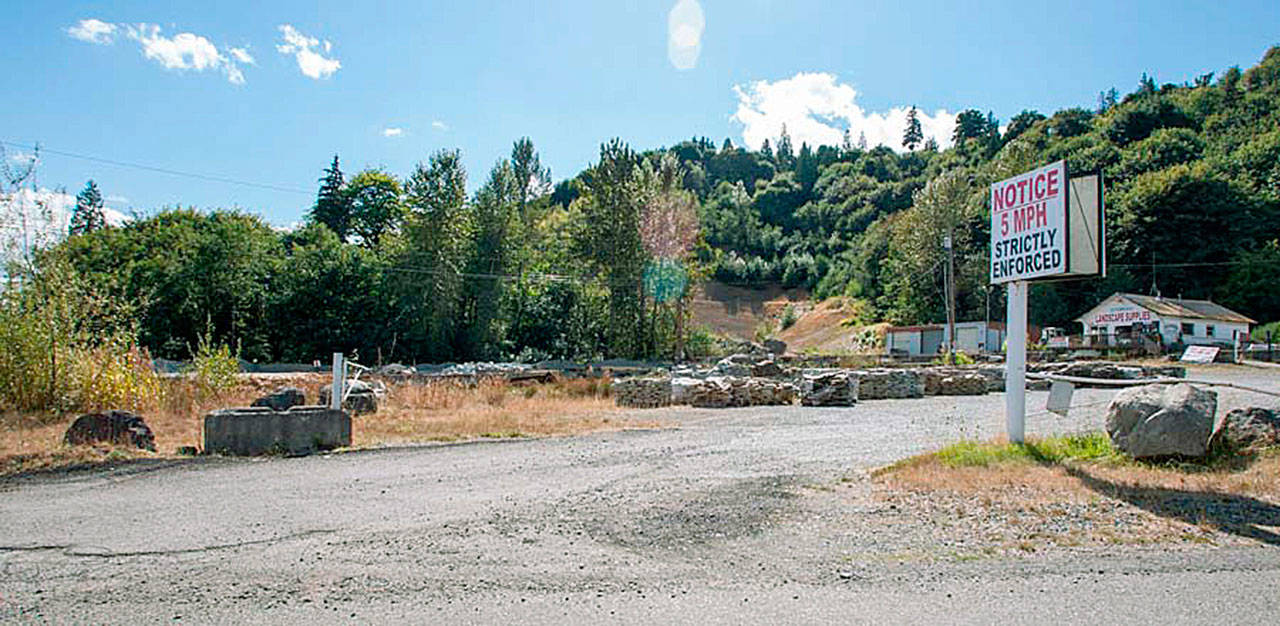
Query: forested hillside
(410, 267)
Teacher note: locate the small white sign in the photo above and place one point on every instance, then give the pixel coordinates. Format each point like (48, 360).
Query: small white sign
(1028, 225)
(1200, 354)
(1059, 401)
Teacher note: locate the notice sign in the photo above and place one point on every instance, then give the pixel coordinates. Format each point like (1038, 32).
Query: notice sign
(1028, 225)
(1200, 354)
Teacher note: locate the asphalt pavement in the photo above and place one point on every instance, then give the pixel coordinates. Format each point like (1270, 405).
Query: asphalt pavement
(727, 516)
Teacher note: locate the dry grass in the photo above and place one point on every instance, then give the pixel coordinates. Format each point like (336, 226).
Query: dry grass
(446, 411)
(412, 412)
(1028, 505)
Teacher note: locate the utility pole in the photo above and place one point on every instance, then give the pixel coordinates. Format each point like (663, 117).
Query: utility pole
(951, 299)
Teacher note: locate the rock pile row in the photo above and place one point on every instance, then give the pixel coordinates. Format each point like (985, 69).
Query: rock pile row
(838, 388)
(726, 391)
(880, 384)
(642, 393)
(940, 382)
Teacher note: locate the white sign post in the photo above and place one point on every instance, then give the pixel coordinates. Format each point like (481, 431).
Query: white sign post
(1028, 240)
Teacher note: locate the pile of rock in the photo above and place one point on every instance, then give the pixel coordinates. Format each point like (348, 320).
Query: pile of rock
(880, 384)
(642, 393)
(954, 382)
(838, 388)
(720, 392)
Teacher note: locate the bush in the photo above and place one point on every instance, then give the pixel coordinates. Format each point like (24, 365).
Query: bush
(213, 367)
(789, 317)
(67, 347)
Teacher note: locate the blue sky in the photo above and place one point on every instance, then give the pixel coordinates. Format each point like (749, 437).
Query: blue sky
(570, 75)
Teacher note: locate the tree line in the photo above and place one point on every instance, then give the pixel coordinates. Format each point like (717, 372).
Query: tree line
(413, 268)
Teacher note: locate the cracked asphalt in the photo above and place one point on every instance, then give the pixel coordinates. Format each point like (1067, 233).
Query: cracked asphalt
(760, 514)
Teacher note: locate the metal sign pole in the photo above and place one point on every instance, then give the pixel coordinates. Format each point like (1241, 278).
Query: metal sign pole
(1015, 377)
(335, 398)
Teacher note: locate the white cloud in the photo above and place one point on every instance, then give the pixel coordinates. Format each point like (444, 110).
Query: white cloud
(392, 131)
(438, 125)
(184, 51)
(817, 109)
(242, 55)
(93, 31)
(312, 64)
(685, 24)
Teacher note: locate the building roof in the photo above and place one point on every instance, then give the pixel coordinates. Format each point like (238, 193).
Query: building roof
(1178, 307)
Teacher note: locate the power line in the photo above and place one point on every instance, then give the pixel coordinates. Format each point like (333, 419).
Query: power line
(161, 170)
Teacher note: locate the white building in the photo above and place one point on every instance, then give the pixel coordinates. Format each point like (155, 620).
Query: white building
(927, 340)
(1191, 322)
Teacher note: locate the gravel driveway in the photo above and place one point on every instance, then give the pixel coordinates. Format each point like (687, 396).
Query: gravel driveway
(736, 514)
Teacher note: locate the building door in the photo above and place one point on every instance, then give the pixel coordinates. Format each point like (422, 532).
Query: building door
(930, 341)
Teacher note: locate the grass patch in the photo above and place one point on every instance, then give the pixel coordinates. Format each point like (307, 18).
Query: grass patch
(1092, 447)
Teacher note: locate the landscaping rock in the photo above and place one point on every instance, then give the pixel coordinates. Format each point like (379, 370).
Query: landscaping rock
(775, 346)
(766, 369)
(880, 384)
(1162, 420)
(282, 399)
(1249, 430)
(838, 388)
(736, 366)
(962, 384)
(682, 389)
(362, 399)
(642, 393)
(397, 371)
(116, 427)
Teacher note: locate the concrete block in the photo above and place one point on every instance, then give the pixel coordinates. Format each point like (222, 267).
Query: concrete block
(260, 430)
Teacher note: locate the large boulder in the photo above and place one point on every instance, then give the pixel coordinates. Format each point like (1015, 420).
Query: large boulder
(116, 427)
(737, 366)
(282, 399)
(838, 388)
(1162, 420)
(775, 347)
(1249, 430)
(767, 368)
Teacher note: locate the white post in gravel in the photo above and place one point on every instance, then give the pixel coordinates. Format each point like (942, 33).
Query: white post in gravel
(339, 373)
(1015, 360)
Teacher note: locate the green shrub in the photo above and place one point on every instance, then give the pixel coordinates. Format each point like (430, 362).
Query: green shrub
(68, 347)
(213, 367)
(789, 317)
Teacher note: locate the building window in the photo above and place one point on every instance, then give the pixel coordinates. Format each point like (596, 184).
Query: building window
(1208, 331)
(1188, 328)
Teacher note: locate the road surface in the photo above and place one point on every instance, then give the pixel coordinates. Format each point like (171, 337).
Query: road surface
(757, 514)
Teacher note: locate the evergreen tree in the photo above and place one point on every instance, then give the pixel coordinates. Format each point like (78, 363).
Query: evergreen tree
(846, 143)
(914, 134)
(785, 155)
(862, 141)
(728, 145)
(333, 205)
(88, 215)
(766, 150)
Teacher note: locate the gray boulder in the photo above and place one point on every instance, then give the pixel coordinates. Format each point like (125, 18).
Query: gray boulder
(775, 346)
(1162, 420)
(362, 399)
(282, 399)
(1247, 430)
(117, 427)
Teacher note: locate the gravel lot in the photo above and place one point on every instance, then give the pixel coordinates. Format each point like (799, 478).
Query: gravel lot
(760, 513)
